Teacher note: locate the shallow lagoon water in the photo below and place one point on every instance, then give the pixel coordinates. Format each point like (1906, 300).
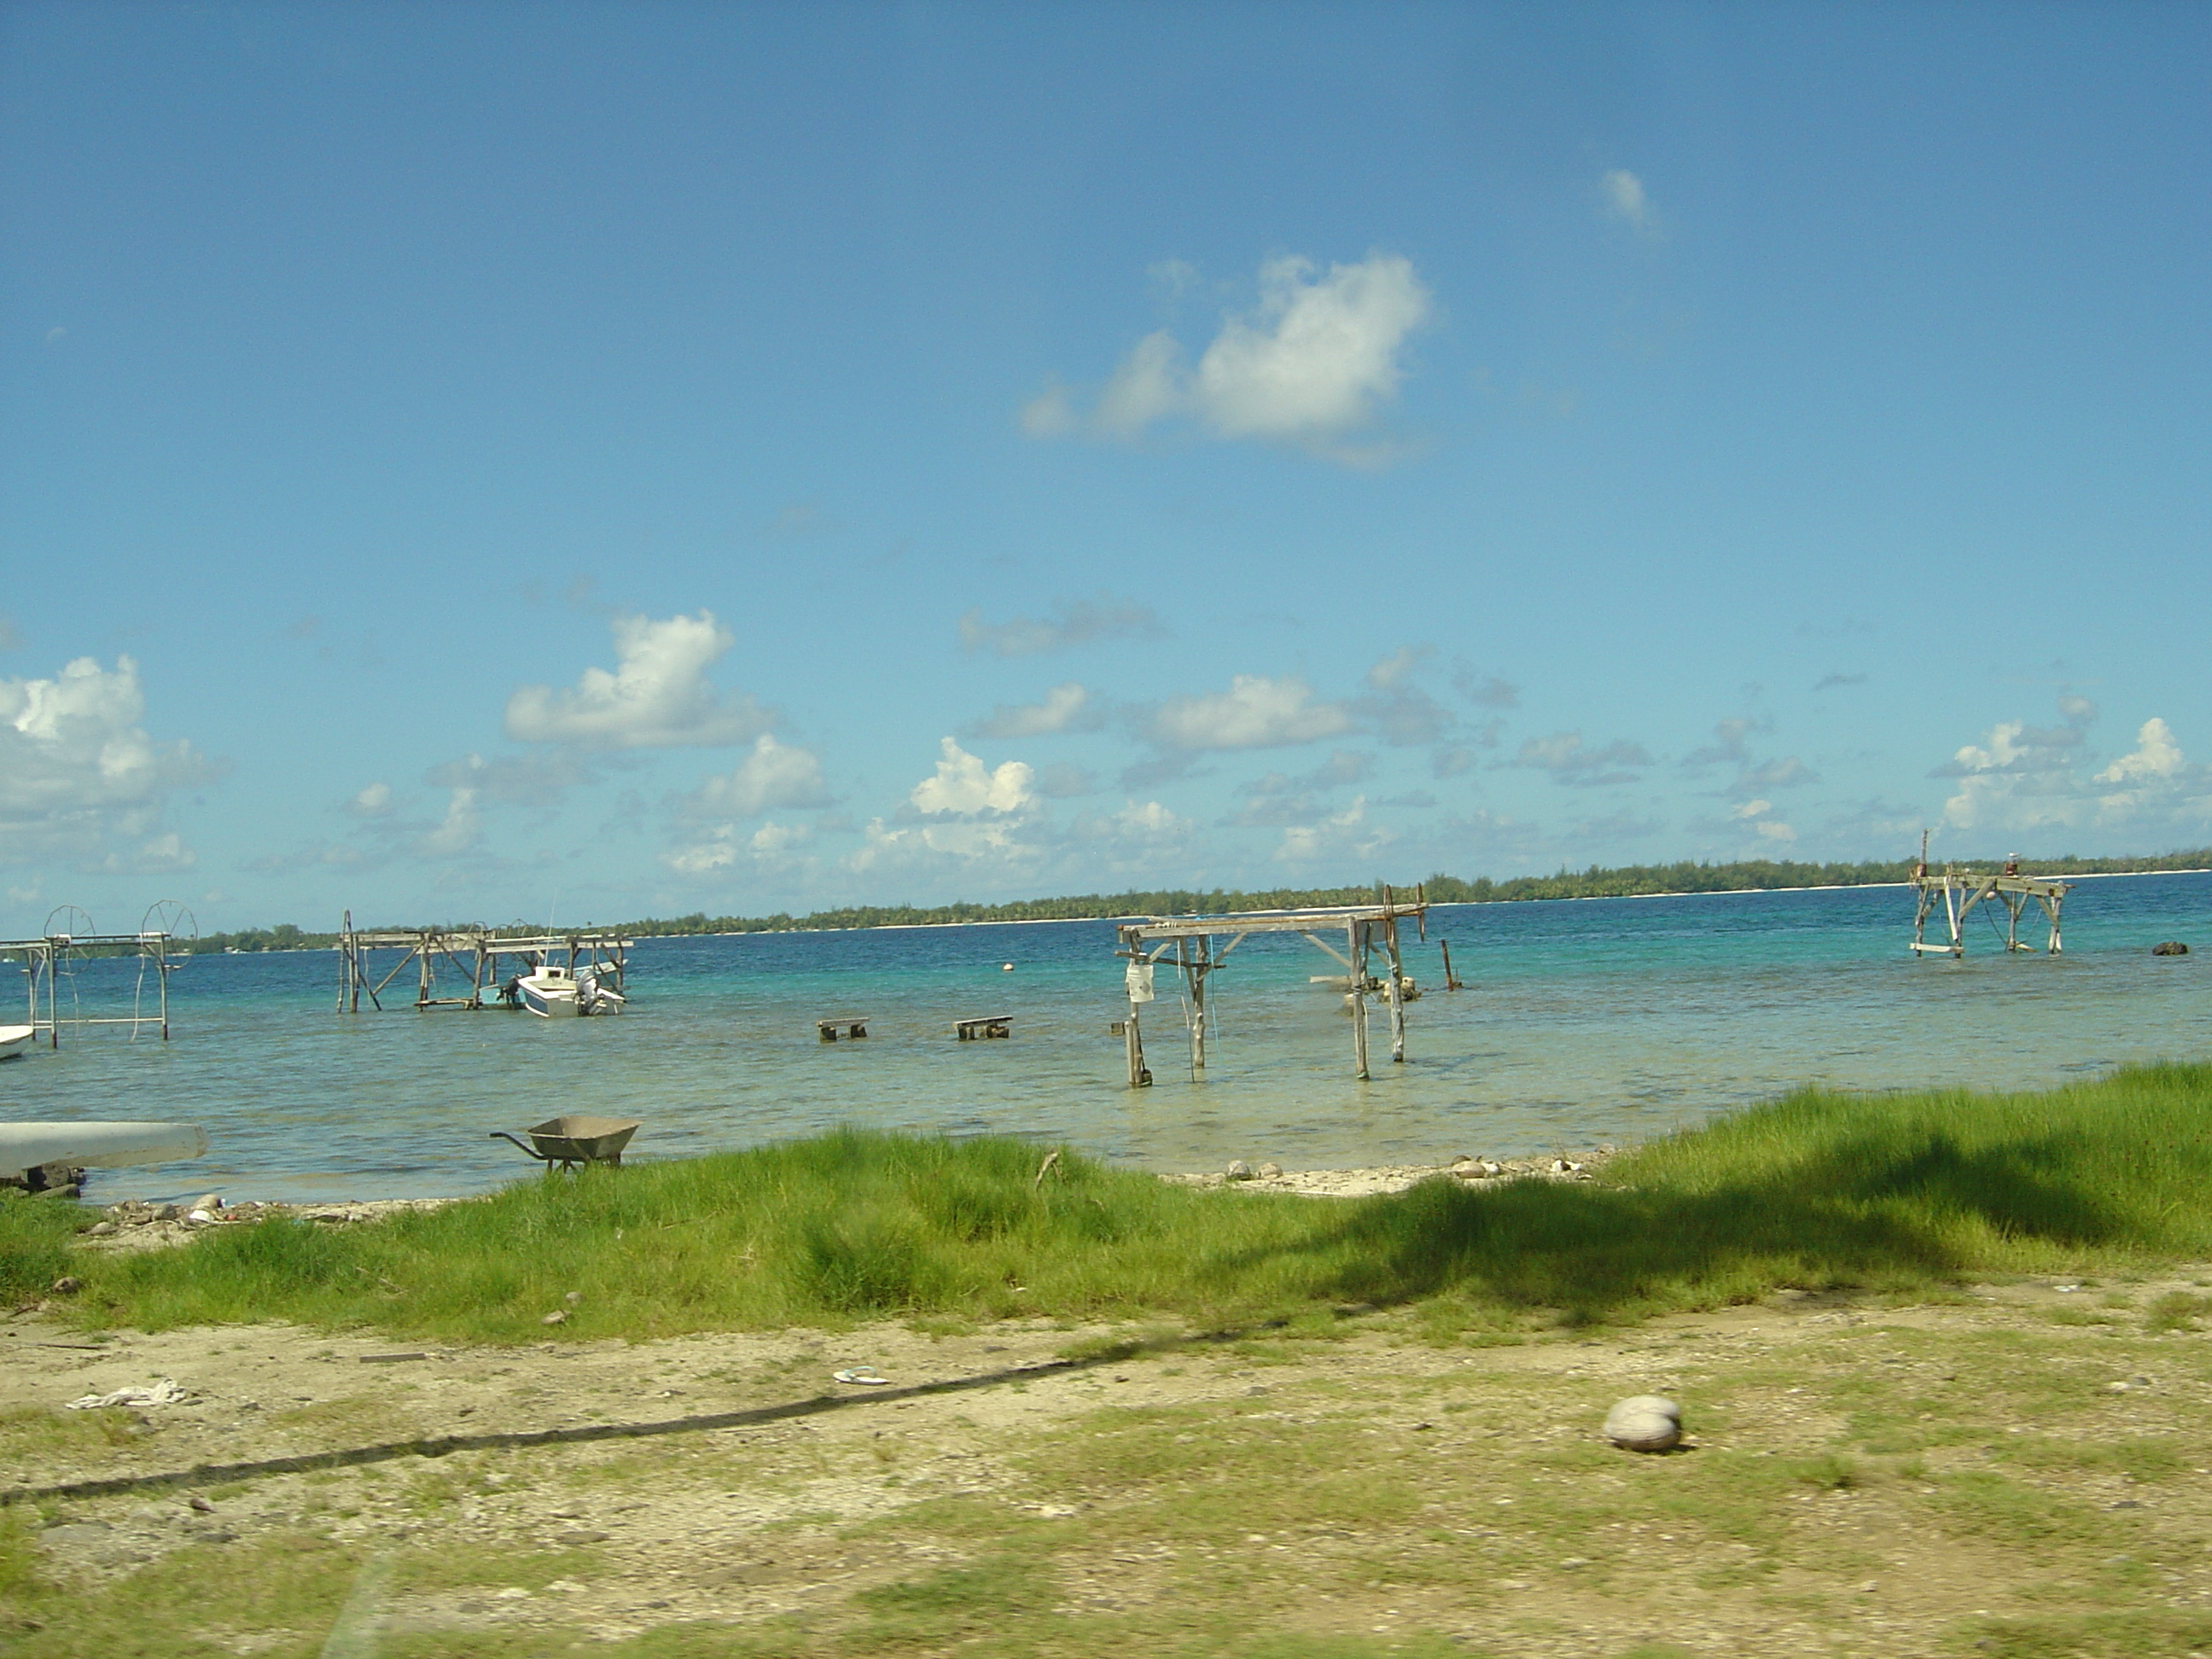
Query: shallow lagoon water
(1581, 1023)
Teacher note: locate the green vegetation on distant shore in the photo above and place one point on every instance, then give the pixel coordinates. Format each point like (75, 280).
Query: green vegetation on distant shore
(1628, 881)
(1904, 1192)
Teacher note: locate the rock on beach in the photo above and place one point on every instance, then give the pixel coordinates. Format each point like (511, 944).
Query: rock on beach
(1644, 1423)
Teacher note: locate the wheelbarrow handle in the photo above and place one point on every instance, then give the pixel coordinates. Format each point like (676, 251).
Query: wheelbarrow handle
(501, 1135)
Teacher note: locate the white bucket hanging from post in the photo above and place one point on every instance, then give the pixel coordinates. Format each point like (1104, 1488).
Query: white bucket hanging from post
(1140, 979)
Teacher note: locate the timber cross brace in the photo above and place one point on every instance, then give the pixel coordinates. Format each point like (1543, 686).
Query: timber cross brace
(1958, 891)
(1194, 948)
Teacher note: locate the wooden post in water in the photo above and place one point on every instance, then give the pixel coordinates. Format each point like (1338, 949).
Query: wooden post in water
(1355, 942)
(1395, 987)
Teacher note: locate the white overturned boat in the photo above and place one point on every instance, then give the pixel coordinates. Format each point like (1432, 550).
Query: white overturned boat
(28, 1147)
(13, 1039)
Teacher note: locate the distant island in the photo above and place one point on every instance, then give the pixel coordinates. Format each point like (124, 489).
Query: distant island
(1627, 881)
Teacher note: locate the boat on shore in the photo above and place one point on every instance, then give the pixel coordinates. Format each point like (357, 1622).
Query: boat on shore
(25, 1147)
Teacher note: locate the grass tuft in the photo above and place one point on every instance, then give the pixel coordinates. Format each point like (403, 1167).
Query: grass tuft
(1905, 1193)
(34, 1242)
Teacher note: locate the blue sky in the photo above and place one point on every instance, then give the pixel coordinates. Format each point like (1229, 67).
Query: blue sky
(608, 460)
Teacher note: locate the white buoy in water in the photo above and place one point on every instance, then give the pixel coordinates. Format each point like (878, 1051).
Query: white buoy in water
(1005, 967)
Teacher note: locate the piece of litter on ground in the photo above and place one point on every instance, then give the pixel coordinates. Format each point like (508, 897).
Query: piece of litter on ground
(164, 1392)
(868, 1375)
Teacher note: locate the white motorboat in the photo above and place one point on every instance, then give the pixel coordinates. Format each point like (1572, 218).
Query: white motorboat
(28, 1147)
(15, 1039)
(596, 993)
(550, 992)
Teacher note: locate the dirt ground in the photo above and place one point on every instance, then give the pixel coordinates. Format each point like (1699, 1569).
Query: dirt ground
(2021, 1471)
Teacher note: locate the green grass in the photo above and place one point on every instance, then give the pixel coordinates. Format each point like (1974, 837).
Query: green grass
(34, 1242)
(1905, 1193)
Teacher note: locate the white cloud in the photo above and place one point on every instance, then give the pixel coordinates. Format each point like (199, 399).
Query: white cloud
(772, 846)
(1067, 708)
(656, 697)
(2156, 755)
(1756, 814)
(1315, 358)
(1729, 744)
(962, 786)
(1485, 690)
(163, 855)
(775, 775)
(1151, 384)
(457, 830)
(1347, 835)
(1172, 279)
(1626, 199)
(1570, 760)
(1280, 798)
(1254, 713)
(1318, 356)
(2020, 776)
(77, 768)
(373, 802)
(1050, 414)
(2154, 777)
(967, 840)
(529, 779)
(1072, 622)
(1388, 671)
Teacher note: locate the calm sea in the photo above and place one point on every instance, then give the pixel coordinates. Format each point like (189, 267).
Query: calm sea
(1581, 1023)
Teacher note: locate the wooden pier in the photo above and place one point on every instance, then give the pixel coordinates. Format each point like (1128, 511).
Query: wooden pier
(854, 1026)
(473, 954)
(978, 1027)
(1960, 891)
(1368, 929)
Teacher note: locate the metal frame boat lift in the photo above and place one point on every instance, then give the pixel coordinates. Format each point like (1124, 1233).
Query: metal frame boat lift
(1367, 929)
(42, 957)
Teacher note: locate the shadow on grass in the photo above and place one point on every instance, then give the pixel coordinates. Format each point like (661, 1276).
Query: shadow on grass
(1864, 1213)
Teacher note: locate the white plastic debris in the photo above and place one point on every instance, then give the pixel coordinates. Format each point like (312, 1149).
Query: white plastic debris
(165, 1392)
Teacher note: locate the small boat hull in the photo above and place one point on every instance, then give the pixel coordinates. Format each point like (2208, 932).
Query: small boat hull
(25, 1146)
(15, 1039)
(550, 1004)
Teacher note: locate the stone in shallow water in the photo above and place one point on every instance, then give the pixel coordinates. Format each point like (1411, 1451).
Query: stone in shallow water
(1644, 1423)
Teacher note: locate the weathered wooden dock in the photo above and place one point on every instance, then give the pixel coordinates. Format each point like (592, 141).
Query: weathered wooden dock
(1368, 929)
(978, 1027)
(473, 954)
(1960, 893)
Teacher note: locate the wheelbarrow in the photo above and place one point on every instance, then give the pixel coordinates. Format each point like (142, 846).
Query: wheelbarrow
(568, 1141)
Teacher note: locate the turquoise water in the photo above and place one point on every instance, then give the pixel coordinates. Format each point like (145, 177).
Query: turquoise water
(1581, 1023)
